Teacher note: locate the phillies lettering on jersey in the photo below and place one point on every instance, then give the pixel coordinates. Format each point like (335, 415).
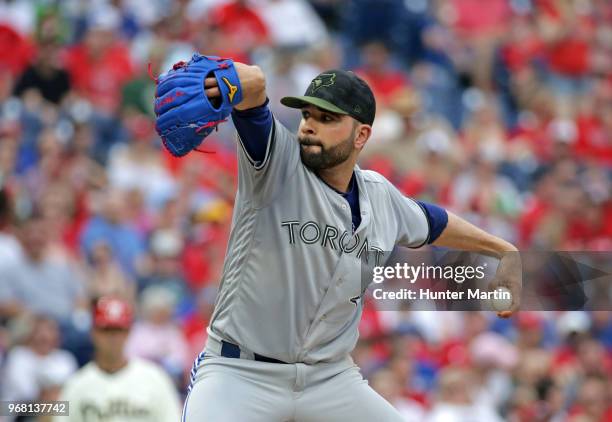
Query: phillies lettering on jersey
(112, 410)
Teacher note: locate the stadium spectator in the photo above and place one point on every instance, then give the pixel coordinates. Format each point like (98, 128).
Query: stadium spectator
(58, 204)
(492, 369)
(110, 226)
(99, 68)
(292, 24)
(377, 70)
(457, 401)
(166, 272)
(100, 65)
(46, 76)
(38, 283)
(592, 403)
(388, 385)
(105, 277)
(44, 163)
(242, 26)
(26, 363)
(157, 336)
(138, 164)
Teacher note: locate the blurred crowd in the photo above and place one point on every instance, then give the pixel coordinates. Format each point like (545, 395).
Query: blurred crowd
(499, 110)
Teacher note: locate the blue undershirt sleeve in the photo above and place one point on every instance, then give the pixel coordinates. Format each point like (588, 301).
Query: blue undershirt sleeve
(437, 219)
(253, 127)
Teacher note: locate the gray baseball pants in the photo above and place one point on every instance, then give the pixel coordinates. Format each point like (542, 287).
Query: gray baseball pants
(243, 390)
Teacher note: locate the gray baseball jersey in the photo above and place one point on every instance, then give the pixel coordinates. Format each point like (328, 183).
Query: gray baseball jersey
(293, 263)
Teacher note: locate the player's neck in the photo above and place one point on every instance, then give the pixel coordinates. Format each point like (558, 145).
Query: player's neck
(111, 366)
(338, 177)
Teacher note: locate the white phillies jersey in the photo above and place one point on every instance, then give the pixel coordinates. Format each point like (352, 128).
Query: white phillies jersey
(139, 392)
(292, 273)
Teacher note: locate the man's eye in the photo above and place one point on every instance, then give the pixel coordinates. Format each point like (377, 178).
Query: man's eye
(305, 114)
(327, 118)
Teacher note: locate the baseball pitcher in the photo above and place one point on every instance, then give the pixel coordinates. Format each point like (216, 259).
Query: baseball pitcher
(305, 217)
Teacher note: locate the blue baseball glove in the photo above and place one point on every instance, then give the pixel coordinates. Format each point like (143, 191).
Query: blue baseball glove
(185, 115)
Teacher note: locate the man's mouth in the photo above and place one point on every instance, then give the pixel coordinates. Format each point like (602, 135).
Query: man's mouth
(311, 147)
(310, 143)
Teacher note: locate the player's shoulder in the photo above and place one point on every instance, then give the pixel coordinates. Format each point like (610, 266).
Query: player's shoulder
(372, 177)
(378, 186)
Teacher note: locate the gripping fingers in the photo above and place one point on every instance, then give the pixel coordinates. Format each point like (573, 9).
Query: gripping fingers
(212, 88)
(213, 92)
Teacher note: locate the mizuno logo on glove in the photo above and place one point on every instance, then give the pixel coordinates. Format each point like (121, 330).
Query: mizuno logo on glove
(232, 89)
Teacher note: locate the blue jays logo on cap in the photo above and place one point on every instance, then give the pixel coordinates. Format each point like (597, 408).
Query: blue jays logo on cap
(324, 79)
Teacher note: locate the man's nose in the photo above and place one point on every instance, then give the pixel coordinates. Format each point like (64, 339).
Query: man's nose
(308, 128)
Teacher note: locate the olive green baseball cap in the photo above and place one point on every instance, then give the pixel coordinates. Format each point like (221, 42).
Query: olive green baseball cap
(338, 91)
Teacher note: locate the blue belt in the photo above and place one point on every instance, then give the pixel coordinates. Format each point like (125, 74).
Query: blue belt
(231, 350)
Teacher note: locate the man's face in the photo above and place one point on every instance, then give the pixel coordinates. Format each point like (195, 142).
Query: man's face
(45, 336)
(110, 342)
(34, 238)
(326, 139)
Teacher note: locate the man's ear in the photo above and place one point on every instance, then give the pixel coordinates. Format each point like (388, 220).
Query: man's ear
(362, 134)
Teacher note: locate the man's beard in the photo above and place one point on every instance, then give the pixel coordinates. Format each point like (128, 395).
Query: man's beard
(327, 157)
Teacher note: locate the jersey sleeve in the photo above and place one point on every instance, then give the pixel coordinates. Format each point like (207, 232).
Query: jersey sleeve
(260, 181)
(413, 229)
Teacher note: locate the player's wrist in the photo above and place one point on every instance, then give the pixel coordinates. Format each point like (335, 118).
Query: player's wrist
(248, 112)
(253, 83)
(500, 247)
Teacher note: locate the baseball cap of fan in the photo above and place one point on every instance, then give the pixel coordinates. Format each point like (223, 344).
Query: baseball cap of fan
(112, 312)
(338, 91)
